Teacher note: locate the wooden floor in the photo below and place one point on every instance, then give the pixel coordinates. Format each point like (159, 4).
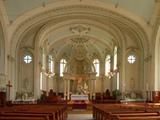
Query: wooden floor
(80, 117)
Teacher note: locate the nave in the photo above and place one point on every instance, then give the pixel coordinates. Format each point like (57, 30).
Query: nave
(80, 117)
(110, 111)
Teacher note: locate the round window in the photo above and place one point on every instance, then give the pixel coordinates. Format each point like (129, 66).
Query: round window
(27, 58)
(131, 59)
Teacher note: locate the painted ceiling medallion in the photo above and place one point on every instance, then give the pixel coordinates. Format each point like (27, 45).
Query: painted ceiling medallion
(79, 29)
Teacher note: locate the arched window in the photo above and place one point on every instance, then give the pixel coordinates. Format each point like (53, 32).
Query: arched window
(63, 63)
(96, 65)
(107, 64)
(41, 80)
(115, 58)
(50, 63)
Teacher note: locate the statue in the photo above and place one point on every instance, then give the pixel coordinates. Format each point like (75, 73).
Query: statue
(79, 86)
(86, 91)
(82, 87)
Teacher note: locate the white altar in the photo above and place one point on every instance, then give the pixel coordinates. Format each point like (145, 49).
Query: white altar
(79, 97)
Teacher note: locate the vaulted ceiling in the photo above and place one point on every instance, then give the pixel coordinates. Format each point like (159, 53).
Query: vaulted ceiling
(141, 8)
(108, 20)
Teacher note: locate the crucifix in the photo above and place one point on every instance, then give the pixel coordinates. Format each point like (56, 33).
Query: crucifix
(8, 90)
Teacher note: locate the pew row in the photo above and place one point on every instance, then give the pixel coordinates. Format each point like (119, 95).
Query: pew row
(122, 111)
(42, 112)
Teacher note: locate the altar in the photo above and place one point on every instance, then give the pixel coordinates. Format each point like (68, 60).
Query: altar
(79, 97)
(79, 101)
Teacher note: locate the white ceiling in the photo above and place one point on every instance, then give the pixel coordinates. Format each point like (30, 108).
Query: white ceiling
(142, 8)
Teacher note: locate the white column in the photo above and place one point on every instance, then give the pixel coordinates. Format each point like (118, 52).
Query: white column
(94, 86)
(36, 73)
(65, 88)
(157, 62)
(102, 83)
(47, 83)
(68, 89)
(118, 80)
(91, 87)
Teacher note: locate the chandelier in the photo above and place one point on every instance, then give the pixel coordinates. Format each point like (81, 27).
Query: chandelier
(49, 74)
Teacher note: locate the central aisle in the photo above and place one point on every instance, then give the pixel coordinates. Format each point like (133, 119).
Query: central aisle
(80, 117)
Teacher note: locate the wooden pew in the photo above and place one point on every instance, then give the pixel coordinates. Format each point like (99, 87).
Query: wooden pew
(50, 112)
(101, 111)
(139, 118)
(26, 115)
(114, 116)
(111, 111)
(20, 118)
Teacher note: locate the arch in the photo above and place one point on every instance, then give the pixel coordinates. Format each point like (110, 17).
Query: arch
(21, 26)
(50, 27)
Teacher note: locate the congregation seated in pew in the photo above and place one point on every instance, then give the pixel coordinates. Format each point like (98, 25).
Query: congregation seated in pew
(107, 97)
(52, 97)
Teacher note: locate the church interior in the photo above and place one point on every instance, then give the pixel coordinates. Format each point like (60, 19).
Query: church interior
(79, 59)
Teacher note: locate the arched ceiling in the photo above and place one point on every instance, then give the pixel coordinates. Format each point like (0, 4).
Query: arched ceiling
(142, 8)
(63, 39)
(106, 26)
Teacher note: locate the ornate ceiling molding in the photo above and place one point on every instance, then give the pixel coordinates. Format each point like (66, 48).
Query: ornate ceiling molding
(74, 11)
(46, 29)
(80, 29)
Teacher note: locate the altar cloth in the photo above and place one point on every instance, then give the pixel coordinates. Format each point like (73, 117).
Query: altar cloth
(79, 97)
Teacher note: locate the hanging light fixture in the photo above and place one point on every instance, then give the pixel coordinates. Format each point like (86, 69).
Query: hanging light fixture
(112, 73)
(49, 74)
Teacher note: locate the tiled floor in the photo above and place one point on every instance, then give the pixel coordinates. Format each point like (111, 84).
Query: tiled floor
(80, 117)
